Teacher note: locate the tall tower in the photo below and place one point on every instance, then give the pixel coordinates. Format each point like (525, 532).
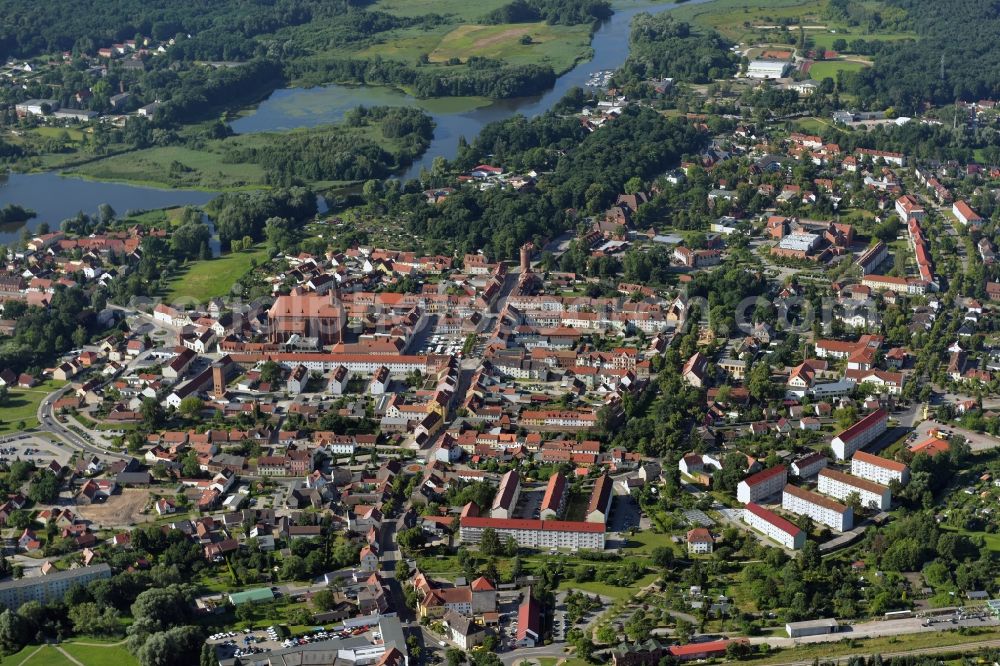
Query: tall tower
(218, 380)
(526, 251)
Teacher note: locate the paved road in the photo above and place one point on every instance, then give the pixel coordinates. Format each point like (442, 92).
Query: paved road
(966, 648)
(48, 421)
(878, 629)
(519, 655)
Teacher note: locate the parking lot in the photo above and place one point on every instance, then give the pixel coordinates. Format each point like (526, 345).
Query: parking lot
(529, 504)
(443, 343)
(33, 449)
(248, 642)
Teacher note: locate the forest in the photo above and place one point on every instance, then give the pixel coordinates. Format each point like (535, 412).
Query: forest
(554, 12)
(479, 76)
(239, 214)
(660, 46)
(334, 154)
(908, 74)
(586, 178)
(221, 29)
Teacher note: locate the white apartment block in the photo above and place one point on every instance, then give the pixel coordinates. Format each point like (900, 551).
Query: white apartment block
(774, 526)
(878, 469)
(821, 509)
(860, 434)
(762, 484)
(572, 535)
(839, 485)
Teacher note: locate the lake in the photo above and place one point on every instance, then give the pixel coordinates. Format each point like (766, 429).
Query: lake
(56, 198)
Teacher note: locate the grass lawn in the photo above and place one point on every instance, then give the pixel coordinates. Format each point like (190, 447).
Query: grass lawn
(438, 564)
(815, 125)
(643, 543)
(22, 405)
(99, 655)
(829, 68)
(556, 45)
(992, 541)
(605, 590)
(75, 135)
(213, 277)
(33, 656)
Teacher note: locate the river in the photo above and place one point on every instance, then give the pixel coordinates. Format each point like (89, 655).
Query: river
(56, 198)
(289, 108)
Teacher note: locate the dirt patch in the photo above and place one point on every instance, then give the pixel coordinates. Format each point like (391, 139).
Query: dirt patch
(499, 37)
(120, 510)
(470, 40)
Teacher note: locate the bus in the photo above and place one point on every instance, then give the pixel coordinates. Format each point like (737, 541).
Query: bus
(899, 615)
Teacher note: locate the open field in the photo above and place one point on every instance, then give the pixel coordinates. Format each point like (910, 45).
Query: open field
(119, 510)
(829, 68)
(22, 405)
(824, 39)
(730, 17)
(191, 168)
(755, 22)
(461, 9)
(213, 277)
(207, 168)
(556, 45)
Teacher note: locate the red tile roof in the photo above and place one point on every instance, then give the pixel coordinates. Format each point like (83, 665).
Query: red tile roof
(773, 518)
(527, 524)
(861, 426)
(885, 463)
(760, 477)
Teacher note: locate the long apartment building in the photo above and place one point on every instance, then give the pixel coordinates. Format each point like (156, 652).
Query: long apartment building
(762, 484)
(46, 589)
(774, 526)
(862, 433)
(878, 469)
(841, 486)
(540, 534)
(821, 509)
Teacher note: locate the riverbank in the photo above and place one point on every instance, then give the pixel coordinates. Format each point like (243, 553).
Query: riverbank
(124, 187)
(257, 160)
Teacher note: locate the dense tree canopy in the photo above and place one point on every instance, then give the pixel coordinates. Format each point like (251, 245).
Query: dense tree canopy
(661, 46)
